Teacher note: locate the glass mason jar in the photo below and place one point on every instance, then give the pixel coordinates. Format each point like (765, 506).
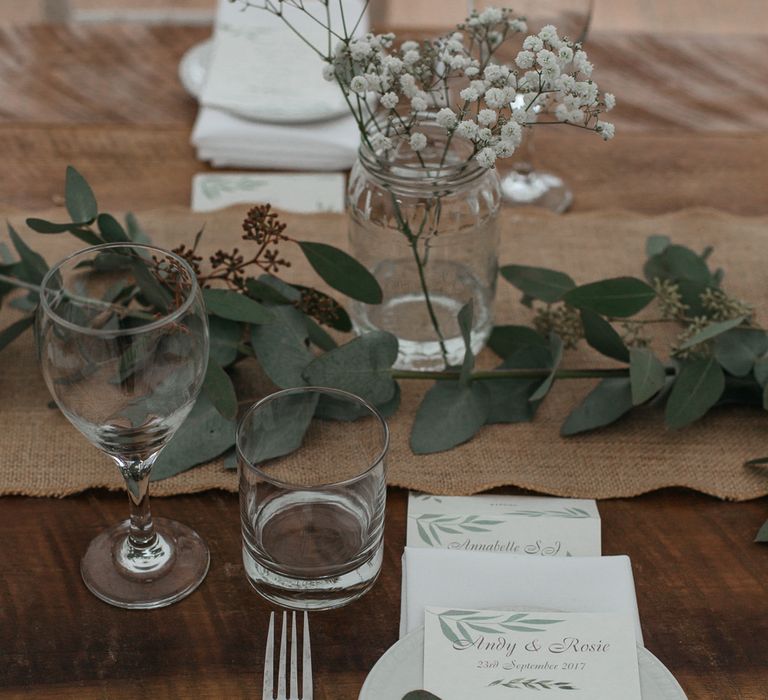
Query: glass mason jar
(426, 225)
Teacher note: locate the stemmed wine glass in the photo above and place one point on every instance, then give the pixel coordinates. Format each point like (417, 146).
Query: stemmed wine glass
(123, 343)
(525, 184)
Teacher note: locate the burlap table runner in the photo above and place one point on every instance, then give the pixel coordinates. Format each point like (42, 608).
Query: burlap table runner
(41, 454)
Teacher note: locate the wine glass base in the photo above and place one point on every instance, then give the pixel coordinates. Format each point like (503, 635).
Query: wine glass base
(536, 189)
(181, 571)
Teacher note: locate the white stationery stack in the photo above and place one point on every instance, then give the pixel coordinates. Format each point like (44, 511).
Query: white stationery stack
(511, 593)
(264, 102)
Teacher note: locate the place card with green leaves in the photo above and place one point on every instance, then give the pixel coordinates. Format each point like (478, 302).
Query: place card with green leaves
(484, 654)
(531, 525)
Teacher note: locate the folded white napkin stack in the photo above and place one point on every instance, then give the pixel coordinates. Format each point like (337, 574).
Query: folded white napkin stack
(499, 581)
(265, 103)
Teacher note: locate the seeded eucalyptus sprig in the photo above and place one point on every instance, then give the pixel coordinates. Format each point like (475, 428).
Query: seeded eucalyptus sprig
(718, 354)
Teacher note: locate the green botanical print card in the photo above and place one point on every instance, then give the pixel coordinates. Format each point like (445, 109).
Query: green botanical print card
(532, 525)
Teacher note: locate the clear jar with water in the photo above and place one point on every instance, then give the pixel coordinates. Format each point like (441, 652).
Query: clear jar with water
(426, 225)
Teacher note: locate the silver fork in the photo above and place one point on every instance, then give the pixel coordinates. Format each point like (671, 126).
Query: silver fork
(269, 662)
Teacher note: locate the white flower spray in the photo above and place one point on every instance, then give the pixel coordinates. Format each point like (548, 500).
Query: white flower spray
(454, 81)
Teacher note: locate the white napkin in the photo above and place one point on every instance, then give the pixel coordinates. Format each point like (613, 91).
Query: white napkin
(265, 103)
(227, 140)
(498, 581)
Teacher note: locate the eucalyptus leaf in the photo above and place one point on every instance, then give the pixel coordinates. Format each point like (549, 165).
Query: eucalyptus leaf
(760, 371)
(79, 197)
(762, 533)
(509, 400)
(655, 245)
(556, 350)
(337, 409)
(361, 366)
(318, 336)
(507, 340)
(111, 229)
(602, 336)
(605, 404)
(135, 231)
(9, 334)
(737, 350)
(43, 226)
(225, 337)
(697, 388)
(281, 346)
(204, 435)
(271, 290)
(342, 272)
(218, 387)
(279, 428)
(465, 326)
(449, 414)
(646, 373)
(711, 331)
(619, 296)
(151, 288)
(538, 282)
(235, 306)
(33, 267)
(677, 263)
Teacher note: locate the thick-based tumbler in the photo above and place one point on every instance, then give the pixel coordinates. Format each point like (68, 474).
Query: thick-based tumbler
(312, 496)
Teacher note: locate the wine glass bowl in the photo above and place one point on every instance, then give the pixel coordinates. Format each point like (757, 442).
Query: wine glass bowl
(123, 345)
(525, 184)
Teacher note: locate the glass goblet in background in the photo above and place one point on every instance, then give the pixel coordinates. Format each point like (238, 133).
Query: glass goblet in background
(313, 490)
(123, 343)
(525, 184)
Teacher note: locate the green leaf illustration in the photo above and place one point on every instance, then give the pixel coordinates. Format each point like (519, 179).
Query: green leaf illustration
(697, 388)
(619, 296)
(342, 272)
(605, 404)
(602, 337)
(646, 374)
(538, 282)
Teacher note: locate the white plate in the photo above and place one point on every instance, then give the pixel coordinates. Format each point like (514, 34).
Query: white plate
(193, 68)
(401, 670)
(194, 65)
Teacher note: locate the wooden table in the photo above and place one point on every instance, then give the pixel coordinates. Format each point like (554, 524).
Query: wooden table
(106, 99)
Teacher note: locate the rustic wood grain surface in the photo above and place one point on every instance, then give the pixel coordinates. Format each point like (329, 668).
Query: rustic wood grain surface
(692, 132)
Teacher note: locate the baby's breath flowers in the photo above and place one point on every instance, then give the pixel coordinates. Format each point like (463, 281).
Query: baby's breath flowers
(455, 81)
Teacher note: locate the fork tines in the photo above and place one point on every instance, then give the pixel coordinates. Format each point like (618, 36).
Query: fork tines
(282, 678)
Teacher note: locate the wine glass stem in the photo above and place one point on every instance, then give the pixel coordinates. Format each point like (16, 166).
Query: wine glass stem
(524, 155)
(142, 532)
